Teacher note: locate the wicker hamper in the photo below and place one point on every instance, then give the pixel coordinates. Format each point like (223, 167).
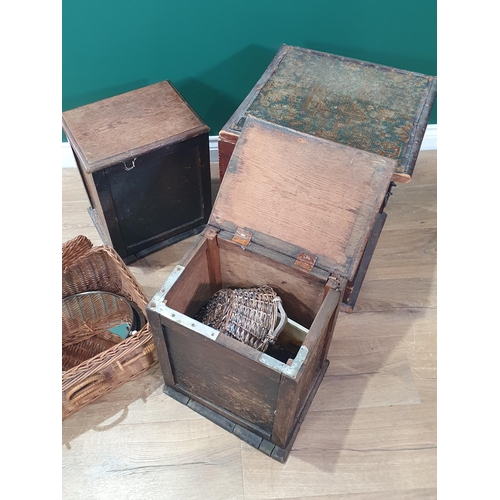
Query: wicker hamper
(99, 361)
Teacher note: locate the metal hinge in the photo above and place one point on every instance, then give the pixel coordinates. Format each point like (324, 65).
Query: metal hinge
(305, 261)
(242, 236)
(389, 193)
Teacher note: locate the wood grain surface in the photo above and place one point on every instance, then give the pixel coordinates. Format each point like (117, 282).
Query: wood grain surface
(370, 433)
(245, 268)
(308, 193)
(129, 124)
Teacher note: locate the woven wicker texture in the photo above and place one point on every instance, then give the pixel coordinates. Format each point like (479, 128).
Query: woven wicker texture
(87, 320)
(95, 360)
(253, 316)
(73, 250)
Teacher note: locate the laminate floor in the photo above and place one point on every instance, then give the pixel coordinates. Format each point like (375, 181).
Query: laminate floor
(370, 432)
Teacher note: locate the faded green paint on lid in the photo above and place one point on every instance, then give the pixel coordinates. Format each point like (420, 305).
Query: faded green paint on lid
(370, 107)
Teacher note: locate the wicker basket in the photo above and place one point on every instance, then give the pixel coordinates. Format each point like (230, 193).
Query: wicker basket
(97, 360)
(254, 316)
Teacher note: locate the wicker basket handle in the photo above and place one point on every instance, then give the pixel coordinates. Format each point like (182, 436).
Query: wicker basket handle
(148, 349)
(85, 388)
(281, 324)
(73, 249)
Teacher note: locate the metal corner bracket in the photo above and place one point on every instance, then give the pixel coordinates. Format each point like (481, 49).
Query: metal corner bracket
(157, 304)
(288, 370)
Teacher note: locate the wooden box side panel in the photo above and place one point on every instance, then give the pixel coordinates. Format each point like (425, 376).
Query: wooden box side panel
(93, 196)
(227, 379)
(193, 288)
(302, 293)
(226, 149)
(294, 394)
(318, 343)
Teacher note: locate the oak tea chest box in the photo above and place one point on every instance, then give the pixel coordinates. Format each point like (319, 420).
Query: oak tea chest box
(303, 235)
(374, 108)
(144, 160)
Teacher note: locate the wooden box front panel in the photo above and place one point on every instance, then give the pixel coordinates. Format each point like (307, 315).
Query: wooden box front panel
(160, 195)
(221, 376)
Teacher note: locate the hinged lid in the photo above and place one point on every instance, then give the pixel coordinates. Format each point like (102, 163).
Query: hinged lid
(368, 106)
(299, 194)
(125, 126)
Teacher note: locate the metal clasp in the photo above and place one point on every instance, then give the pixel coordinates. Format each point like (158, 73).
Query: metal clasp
(133, 165)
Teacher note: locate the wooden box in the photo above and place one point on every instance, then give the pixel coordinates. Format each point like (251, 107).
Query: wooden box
(282, 220)
(367, 106)
(144, 160)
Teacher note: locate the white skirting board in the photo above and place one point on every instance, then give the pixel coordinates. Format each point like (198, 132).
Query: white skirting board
(429, 142)
(430, 138)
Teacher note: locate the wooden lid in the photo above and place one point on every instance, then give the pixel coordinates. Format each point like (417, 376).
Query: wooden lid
(300, 194)
(375, 108)
(128, 125)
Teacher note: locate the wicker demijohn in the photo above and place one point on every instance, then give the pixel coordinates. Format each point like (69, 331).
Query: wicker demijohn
(99, 291)
(253, 316)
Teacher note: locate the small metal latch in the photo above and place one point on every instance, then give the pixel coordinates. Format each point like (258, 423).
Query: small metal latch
(242, 236)
(132, 165)
(335, 283)
(305, 261)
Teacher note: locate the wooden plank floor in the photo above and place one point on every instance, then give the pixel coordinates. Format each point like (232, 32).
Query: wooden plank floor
(370, 432)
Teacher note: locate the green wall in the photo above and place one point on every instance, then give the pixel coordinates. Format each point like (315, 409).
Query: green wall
(214, 52)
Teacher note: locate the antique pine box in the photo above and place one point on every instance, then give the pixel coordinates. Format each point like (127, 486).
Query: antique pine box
(370, 107)
(144, 160)
(298, 226)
